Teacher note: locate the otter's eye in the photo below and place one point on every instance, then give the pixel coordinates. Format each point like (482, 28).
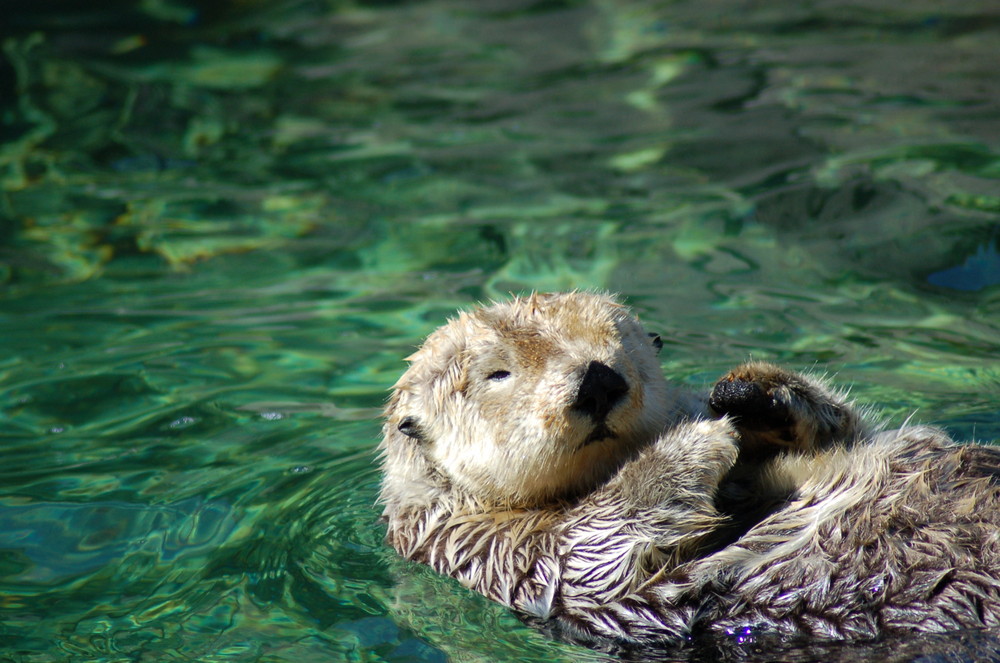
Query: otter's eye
(657, 342)
(497, 376)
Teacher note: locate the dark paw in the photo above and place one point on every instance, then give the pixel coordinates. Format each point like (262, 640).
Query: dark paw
(749, 404)
(775, 409)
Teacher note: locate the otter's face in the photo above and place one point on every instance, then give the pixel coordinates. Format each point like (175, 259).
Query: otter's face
(529, 400)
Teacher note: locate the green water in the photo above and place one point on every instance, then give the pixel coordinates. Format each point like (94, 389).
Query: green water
(223, 224)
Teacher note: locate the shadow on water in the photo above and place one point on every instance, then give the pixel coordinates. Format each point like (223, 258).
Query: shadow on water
(964, 647)
(224, 224)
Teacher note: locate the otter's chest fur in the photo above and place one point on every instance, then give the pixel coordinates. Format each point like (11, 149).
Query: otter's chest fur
(899, 536)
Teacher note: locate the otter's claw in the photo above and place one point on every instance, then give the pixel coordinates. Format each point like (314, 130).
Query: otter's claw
(749, 404)
(775, 409)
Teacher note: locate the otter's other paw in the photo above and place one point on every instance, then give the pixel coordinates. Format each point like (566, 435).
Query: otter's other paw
(775, 409)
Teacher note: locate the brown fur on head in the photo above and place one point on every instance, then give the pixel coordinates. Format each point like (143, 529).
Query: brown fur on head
(486, 410)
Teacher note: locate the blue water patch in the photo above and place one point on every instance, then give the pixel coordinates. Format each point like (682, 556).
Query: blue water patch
(978, 271)
(55, 542)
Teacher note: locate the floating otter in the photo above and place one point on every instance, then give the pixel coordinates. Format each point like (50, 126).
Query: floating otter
(534, 452)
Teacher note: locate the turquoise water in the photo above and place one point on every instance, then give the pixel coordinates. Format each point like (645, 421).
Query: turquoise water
(224, 224)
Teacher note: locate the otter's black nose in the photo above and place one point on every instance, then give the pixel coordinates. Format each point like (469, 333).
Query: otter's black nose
(600, 391)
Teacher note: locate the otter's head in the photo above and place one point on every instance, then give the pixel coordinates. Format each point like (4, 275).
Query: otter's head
(522, 402)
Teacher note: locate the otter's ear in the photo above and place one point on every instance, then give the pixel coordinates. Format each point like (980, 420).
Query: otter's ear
(656, 341)
(409, 427)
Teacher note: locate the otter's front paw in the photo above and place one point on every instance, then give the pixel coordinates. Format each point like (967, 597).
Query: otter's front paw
(775, 409)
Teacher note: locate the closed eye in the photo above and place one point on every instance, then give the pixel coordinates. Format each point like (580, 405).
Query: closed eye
(496, 376)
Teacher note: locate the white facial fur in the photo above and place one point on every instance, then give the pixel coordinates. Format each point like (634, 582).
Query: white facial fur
(486, 405)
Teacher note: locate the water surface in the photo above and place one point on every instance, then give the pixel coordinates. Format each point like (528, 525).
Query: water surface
(224, 224)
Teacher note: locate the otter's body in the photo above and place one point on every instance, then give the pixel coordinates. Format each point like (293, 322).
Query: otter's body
(534, 452)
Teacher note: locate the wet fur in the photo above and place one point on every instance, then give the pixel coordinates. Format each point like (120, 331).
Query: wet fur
(777, 508)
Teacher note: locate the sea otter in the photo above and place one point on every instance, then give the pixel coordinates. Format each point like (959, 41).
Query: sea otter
(534, 451)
